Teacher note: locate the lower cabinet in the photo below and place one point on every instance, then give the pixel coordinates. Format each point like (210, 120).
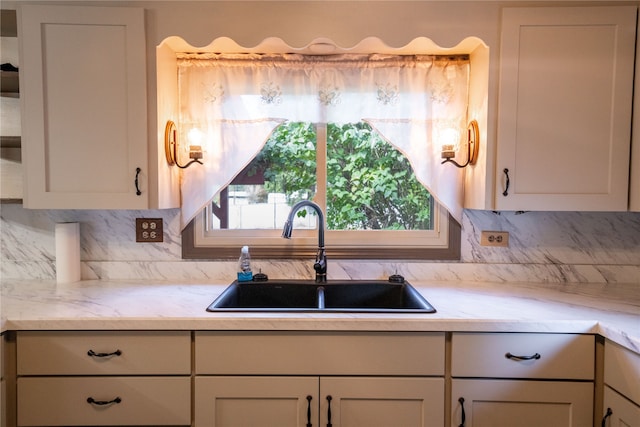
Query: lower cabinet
(338, 379)
(318, 378)
(522, 379)
(103, 378)
(619, 411)
(311, 401)
(3, 394)
(491, 403)
(622, 387)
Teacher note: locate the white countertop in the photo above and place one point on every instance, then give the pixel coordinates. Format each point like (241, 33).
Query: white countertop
(611, 310)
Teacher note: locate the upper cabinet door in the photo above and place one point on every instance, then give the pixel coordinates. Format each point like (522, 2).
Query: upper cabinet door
(564, 120)
(634, 181)
(84, 111)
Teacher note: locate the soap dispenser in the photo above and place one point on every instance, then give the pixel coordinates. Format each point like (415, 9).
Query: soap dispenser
(244, 265)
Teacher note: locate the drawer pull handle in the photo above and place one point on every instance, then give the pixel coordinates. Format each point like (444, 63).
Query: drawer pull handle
(92, 401)
(463, 417)
(513, 356)
(309, 411)
(329, 411)
(138, 192)
(607, 415)
(94, 354)
(505, 193)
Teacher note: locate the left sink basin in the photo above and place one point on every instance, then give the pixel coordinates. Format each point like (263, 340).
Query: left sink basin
(252, 296)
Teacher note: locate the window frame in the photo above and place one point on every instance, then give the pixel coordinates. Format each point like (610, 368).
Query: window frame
(303, 245)
(441, 243)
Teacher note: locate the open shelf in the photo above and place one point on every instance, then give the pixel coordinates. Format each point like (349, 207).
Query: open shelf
(10, 145)
(9, 84)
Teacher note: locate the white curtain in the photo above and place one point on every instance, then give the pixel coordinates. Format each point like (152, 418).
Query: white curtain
(235, 101)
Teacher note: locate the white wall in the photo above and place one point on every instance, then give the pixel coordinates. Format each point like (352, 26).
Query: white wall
(554, 247)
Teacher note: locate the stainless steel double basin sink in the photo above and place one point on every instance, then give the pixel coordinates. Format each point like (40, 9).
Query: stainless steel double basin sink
(351, 296)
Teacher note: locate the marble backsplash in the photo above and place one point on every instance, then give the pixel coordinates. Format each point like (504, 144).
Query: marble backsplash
(553, 247)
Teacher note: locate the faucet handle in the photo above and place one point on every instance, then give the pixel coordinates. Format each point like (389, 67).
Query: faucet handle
(396, 278)
(287, 229)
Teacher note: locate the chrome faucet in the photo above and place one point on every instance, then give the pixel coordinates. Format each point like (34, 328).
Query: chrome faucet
(320, 266)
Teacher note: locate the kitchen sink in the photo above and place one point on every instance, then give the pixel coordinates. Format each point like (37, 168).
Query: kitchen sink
(353, 296)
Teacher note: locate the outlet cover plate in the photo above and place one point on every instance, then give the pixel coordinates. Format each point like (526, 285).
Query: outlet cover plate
(494, 238)
(149, 230)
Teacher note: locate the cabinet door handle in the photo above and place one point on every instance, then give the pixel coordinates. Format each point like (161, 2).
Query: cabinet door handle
(94, 354)
(535, 356)
(329, 411)
(463, 417)
(92, 401)
(607, 415)
(138, 192)
(309, 411)
(505, 193)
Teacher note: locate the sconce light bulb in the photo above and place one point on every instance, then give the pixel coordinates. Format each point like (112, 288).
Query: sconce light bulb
(195, 137)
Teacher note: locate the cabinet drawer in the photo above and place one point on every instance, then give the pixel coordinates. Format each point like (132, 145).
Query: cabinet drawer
(622, 370)
(319, 353)
(51, 401)
(89, 353)
(562, 356)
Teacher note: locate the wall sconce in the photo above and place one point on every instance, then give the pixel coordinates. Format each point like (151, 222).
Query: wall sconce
(171, 147)
(450, 147)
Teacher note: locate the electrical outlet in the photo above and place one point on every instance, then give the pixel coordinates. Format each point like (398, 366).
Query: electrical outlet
(149, 230)
(494, 238)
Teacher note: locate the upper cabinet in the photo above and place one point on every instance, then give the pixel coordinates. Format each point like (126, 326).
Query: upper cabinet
(83, 86)
(634, 181)
(564, 109)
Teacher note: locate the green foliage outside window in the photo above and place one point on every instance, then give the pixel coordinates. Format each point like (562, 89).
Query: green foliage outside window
(370, 184)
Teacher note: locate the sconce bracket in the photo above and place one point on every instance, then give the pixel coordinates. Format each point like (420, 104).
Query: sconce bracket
(170, 142)
(473, 145)
(171, 147)
(474, 141)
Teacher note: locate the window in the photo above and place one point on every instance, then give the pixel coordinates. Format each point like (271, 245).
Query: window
(369, 184)
(366, 201)
(375, 204)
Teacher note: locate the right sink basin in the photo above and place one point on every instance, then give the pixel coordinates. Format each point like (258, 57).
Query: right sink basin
(374, 296)
(356, 296)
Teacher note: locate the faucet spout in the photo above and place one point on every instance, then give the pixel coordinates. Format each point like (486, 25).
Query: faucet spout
(320, 265)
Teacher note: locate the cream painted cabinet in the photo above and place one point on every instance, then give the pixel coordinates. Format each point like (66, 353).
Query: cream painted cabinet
(3, 393)
(381, 402)
(83, 90)
(230, 401)
(322, 378)
(489, 403)
(634, 181)
(103, 378)
(622, 387)
(619, 411)
(564, 109)
(523, 379)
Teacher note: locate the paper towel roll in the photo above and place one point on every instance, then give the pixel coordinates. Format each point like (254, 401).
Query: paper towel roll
(68, 252)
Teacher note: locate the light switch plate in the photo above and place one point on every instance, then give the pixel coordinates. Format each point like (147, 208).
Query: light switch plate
(494, 238)
(149, 230)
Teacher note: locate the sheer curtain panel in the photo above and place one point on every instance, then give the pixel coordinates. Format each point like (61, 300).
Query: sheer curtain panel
(235, 101)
